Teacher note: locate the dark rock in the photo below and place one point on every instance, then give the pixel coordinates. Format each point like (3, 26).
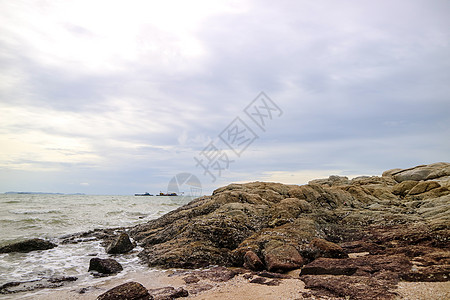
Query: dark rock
(272, 275)
(106, 266)
(350, 287)
(126, 291)
(362, 266)
(168, 293)
(28, 246)
(264, 281)
(283, 258)
(31, 285)
(217, 274)
(252, 261)
(199, 287)
(191, 279)
(121, 244)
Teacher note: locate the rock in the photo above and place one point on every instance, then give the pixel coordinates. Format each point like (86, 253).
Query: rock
(423, 172)
(398, 219)
(264, 281)
(191, 279)
(283, 258)
(350, 287)
(126, 291)
(106, 266)
(331, 181)
(252, 261)
(217, 274)
(28, 246)
(168, 293)
(31, 285)
(428, 274)
(404, 187)
(121, 245)
(327, 249)
(369, 265)
(272, 275)
(423, 187)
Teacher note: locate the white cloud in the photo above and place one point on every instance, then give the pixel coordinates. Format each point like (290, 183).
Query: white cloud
(140, 87)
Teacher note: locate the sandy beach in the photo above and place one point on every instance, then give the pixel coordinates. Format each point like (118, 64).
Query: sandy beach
(237, 288)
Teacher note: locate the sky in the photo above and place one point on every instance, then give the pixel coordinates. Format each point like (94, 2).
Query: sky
(120, 97)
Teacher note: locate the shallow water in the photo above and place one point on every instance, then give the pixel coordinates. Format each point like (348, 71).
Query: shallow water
(54, 216)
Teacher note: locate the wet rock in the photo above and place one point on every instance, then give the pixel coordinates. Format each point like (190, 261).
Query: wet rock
(349, 287)
(106, 266)
(31, 285)
(191, 279)
(199, 287)
(217, 274)
(265, 281)
(253, 262)
(28, 246)
(283, 258)
(362, 266)
(128, 291)
(120, 245)
(168, 293)
(272, 275)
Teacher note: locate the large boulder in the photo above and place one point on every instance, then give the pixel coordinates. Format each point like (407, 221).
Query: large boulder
(28, 246)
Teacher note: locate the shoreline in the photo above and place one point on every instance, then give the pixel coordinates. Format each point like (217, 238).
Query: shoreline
(239, 287)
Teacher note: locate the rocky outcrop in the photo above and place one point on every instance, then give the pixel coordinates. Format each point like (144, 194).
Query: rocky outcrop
(28, 246)
(401, 217)
(103, 267)
(37, 284)
(280, 227)
(129, 291)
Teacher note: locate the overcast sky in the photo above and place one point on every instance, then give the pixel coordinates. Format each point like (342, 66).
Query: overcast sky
(118, 97)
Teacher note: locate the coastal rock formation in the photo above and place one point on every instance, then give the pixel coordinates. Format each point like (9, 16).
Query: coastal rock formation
(280, 227)
(400, 221)
(28, 246)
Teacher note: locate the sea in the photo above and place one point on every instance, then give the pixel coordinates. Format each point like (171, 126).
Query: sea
(55, 216)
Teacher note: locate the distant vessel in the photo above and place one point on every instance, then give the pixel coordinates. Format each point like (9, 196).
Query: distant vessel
(167, 194)
(145, 194)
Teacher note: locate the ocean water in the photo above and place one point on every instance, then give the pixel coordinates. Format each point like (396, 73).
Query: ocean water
(52, 217)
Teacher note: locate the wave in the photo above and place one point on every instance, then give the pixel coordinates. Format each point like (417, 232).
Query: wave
(34, 211)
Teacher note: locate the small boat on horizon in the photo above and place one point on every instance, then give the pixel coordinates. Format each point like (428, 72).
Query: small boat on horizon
(145, 194)
(167, 194)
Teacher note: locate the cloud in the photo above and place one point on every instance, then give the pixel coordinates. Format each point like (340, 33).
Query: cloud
(124, 94)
